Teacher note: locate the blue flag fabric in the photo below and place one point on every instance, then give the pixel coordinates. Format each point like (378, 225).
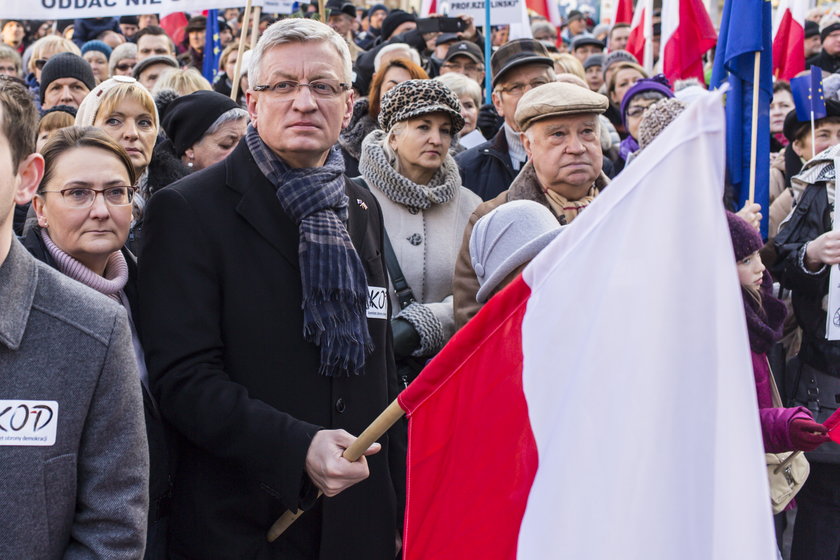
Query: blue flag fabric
(746, 27)
(808, 95)
(212, 47)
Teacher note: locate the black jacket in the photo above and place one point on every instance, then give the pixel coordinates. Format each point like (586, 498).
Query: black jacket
(222, 325)
(160, 452)
(486, 169)
(830, 64)
(811, 218)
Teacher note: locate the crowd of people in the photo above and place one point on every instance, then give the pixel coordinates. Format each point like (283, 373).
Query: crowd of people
(278, 251)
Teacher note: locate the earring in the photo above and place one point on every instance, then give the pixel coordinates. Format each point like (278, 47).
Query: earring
(190, 163)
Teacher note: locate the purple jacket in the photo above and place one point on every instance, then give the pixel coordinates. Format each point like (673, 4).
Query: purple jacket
(774, 421)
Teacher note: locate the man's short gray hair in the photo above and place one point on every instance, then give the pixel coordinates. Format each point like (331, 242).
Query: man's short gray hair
(298, 30)
(411, 54)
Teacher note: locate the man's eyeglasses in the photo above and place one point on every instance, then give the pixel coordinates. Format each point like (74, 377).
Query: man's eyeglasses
(83, 197)
(463, 67)
(519, 89)
(288, 89)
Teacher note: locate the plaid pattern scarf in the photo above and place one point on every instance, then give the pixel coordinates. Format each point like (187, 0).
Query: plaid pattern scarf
(331, 272)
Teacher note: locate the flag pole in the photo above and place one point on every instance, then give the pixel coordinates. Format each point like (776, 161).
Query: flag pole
(754, 132)
(376, 430)
(488, 79)
(255, 27)
(237, 70)
(813, 135)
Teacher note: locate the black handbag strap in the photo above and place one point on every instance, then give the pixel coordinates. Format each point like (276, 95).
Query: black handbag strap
(404, 294)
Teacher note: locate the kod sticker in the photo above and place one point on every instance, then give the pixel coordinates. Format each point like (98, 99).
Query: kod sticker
(377, 305)
(28, 422)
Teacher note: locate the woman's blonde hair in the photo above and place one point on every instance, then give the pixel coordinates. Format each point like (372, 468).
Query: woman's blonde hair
(462, 86)
(183, 81)
(115, 96)
(51, 43)
(623, 66)
(54, 121)
(565, 63)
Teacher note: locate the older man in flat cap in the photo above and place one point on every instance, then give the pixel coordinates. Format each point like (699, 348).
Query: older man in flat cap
(560, 132)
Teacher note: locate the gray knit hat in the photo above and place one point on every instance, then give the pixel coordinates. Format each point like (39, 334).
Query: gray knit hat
(414, 98)
(66, 65)
(506, 238)
(617, 56)
(656, 118)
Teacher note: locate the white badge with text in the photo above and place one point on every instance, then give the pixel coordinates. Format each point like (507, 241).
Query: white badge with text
(28, 422)
(377, 304)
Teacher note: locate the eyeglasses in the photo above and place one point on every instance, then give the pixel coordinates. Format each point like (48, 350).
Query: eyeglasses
(637, 110)
(83, 197)
(463, 67)
(519, 89)
(39, 63)
(124, 67)
(319, 88)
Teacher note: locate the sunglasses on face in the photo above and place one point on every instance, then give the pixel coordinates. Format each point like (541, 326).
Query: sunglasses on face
(124, 67)
(39, 63)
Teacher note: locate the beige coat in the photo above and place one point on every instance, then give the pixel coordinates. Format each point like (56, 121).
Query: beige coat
(465, 284)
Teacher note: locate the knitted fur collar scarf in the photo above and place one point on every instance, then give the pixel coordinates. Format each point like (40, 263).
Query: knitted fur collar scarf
(378, 170)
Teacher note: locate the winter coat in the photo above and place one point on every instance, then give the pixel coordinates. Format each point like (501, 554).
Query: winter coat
(830, 64)
(465, 283)
(86, 495)
(775, 422)
(810, 218)
(350, 139)
(160, 476)
(486, 169)
(426, 243)
(222, 326)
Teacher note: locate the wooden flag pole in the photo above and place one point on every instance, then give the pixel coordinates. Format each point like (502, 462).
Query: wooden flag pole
(322, 11)
(237, 70)
(376, 430)
(813, 133)
(255, 26)
(754, 132)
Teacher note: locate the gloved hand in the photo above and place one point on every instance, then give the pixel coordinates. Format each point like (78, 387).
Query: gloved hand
(807, 435)
(489, 122)
(406, 338)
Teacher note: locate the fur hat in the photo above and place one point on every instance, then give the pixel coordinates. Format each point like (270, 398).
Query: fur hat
(745, 239)
(419, 97)
(506, 238)
(66, 65)
(656, 118)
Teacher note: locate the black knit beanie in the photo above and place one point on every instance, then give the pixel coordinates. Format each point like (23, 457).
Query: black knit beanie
(188, 117)
(66, 65)
(394, 20)
(828, 30)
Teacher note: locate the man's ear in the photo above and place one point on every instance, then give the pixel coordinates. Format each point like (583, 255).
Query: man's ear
(30, 173)
(497, 103)
(251, 103)
(348, 109)
(526, 143)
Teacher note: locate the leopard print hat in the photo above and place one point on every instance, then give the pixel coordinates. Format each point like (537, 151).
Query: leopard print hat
(419, 97)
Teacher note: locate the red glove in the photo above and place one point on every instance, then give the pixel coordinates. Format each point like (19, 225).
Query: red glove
(807, 435)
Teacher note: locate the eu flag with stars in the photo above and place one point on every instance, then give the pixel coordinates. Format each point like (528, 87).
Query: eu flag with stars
(212, 47)
(746, 27)
(808, 95)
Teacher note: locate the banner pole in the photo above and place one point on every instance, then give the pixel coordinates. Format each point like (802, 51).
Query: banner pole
(813, 136)
(376, 430)
(754, 131)
(488, 78)
(255, 27)
(237, 70)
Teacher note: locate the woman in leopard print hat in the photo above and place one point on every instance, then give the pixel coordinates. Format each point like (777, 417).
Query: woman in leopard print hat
(408, 168)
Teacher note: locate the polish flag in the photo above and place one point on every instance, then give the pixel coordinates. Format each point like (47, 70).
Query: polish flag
(623, 12)
(175, 25)
(603, 405)
(547, 9)
(789, 39)
(640, 41)
(687, 33)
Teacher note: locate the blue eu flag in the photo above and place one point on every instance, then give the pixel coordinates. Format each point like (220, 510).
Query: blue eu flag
(212, 47)
(746, 28)
(808, 95)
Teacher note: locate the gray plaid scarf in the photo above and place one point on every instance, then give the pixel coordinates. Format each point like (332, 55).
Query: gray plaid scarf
(331, 272)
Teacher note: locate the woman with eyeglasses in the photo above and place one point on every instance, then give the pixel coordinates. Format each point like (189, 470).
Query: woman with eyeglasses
(83, 208)
(639, 97)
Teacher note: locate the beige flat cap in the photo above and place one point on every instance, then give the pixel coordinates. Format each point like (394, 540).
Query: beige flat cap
(557, 99)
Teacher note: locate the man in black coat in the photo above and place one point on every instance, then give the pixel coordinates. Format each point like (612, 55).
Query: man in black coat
(489, 168)
(254, 282)
(829, 56)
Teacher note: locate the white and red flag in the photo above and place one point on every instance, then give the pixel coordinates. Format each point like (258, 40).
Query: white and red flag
(603, 405)
(623, 12)
(640, 40)
(789, 39)
(687, 34)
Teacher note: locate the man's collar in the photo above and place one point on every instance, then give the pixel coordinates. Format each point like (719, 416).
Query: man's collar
(18, 278)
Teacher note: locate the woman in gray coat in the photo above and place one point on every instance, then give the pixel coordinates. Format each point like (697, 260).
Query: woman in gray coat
(410, 172)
